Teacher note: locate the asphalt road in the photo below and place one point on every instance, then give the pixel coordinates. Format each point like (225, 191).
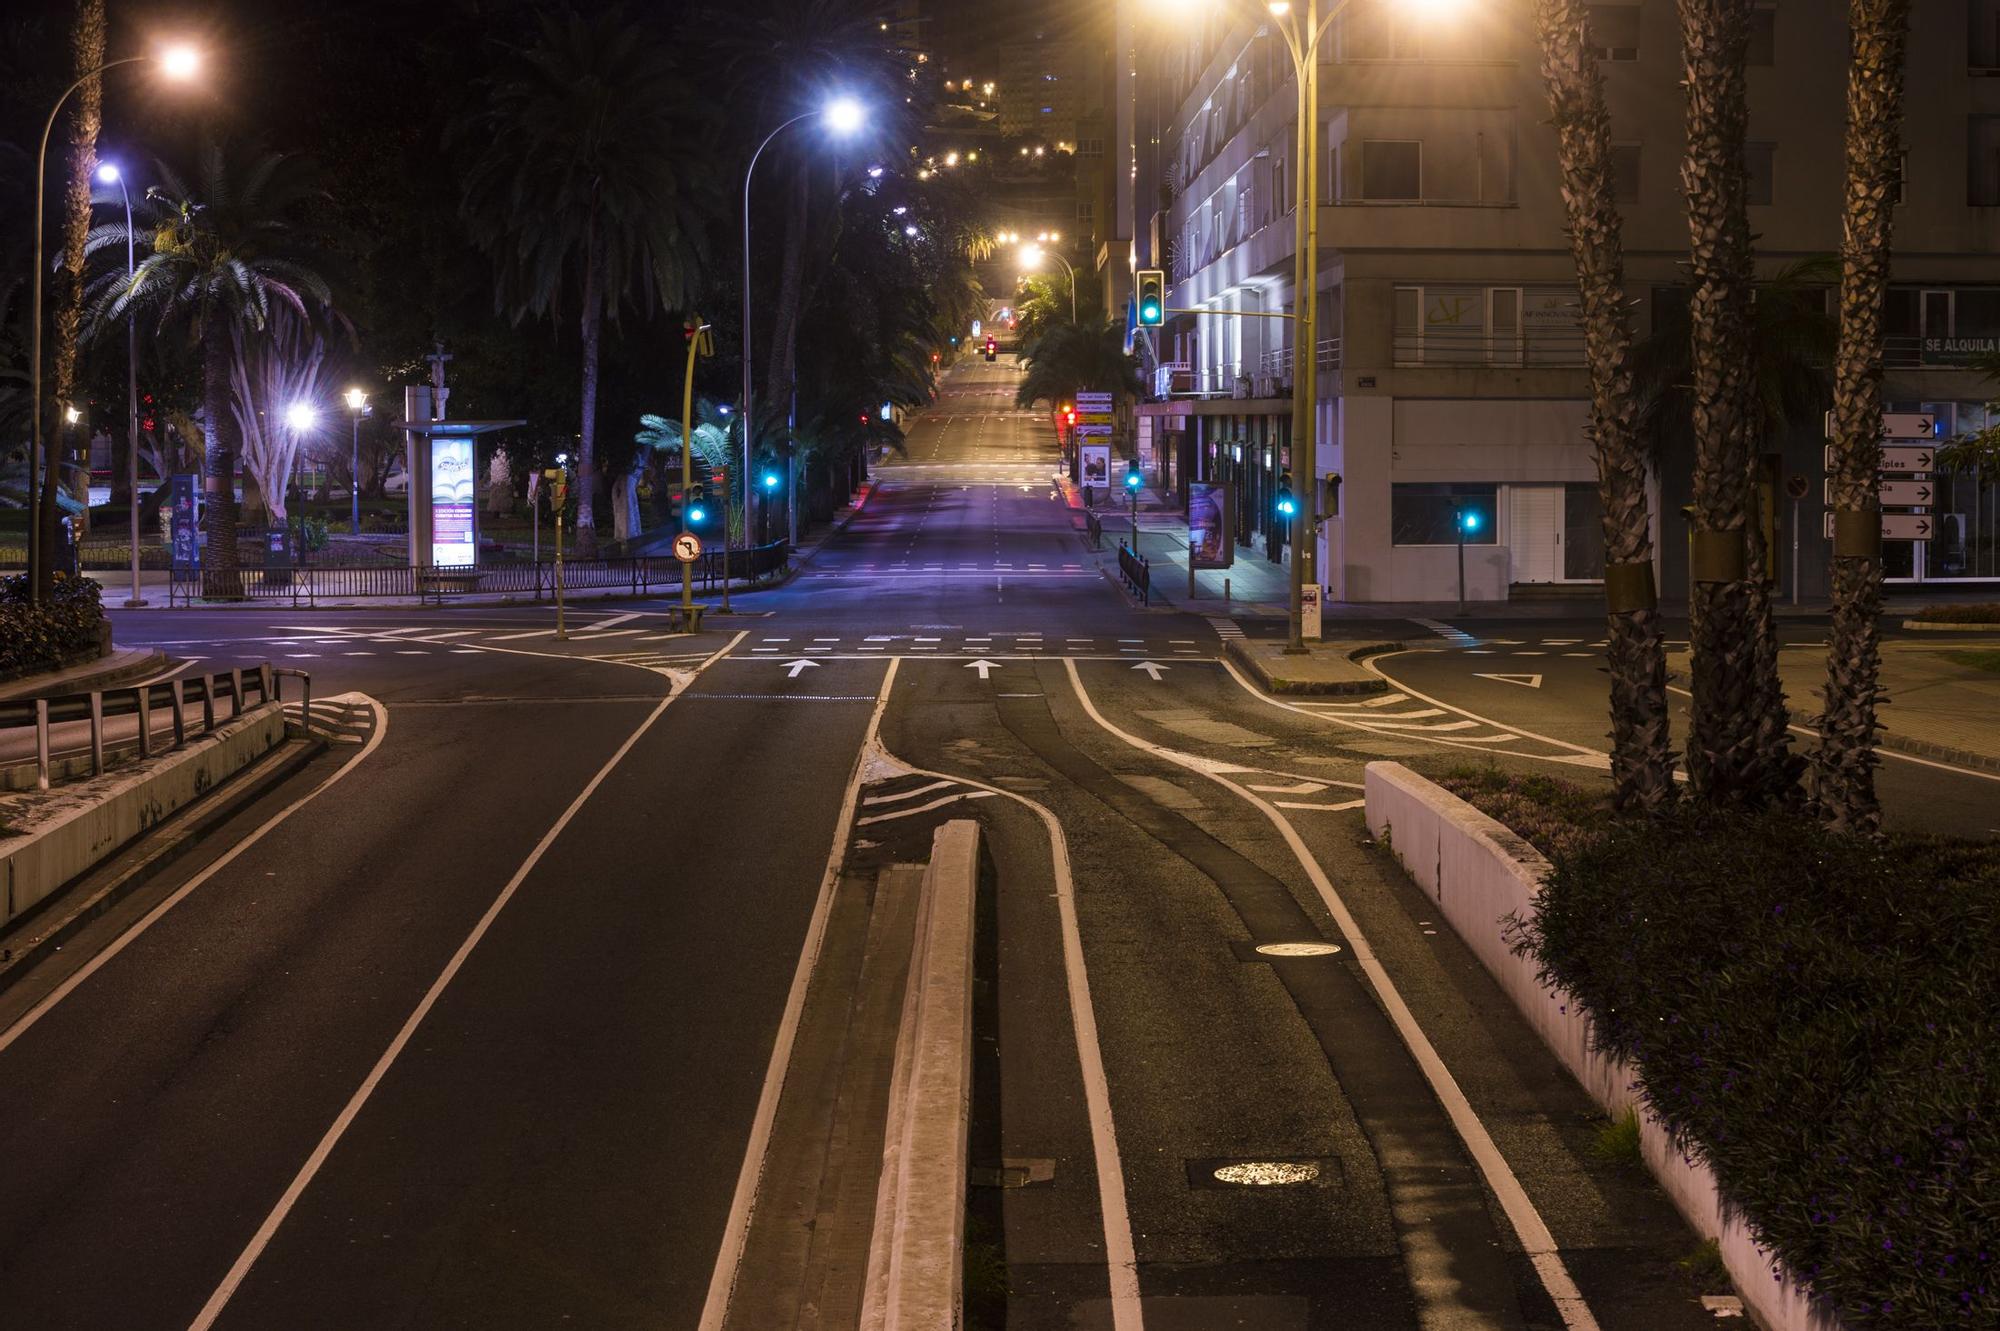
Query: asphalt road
(476, 1033)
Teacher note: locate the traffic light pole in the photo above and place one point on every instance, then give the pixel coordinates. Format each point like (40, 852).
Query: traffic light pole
(697, 334)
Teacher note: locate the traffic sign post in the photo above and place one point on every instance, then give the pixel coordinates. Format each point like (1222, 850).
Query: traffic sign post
(687, 547)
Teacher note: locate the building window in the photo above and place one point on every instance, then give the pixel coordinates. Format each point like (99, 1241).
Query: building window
(1083, 210)
(1392, 169)
(1614, 31)
(1763, 51)
(1758, 166)
(1982, 35)
(1432, 513)
(1982, 161)
(1625, 172)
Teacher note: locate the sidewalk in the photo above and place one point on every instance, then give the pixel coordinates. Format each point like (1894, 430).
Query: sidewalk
(1942, 699)
(153, 584)
(1253, 587)
(122, 666)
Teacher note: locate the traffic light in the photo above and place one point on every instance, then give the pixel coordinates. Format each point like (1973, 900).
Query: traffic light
(770, 480)
(697, 513)
(1152, 297)
(1133, 480)
(1069, 414)
(1288, 507)
(992, 349)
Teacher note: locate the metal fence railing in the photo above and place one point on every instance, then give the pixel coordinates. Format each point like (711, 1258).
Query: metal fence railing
(166, 714)
(641, 575)
(1136, 572)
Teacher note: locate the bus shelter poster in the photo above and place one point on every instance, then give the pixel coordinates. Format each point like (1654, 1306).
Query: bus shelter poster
(1097, 464)
(451, 502)
(1209, 545)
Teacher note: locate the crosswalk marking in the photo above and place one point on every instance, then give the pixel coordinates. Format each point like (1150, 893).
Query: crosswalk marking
(1224, 628)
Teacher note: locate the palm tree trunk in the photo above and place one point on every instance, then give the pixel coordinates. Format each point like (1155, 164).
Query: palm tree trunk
(87, 51)
(785, 314)
(586, 449)
(1642, 761)
(220, 579)
(1844, 762)
(1725, 765)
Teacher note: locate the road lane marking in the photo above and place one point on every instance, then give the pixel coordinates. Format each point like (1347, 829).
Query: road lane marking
(1120, 1255)
(228, 857)
(743, 1203)
(902, 795)
(240, 1269)
(937, 803)
(1324, 808)
(517, 637)
(1533, 1234)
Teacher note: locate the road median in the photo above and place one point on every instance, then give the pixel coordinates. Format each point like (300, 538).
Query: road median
(1327, 669)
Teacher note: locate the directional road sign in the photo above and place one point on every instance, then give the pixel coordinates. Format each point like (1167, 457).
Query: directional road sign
(1896, 494)
(1901, 461)
(1897, 526)
(1093, 401)
(1900, 425)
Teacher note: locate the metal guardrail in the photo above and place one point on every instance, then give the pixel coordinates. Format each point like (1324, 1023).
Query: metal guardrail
(174, 696)
(1137, 573)
(642, 575)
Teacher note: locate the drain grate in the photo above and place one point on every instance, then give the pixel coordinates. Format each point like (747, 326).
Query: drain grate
(1247, 950)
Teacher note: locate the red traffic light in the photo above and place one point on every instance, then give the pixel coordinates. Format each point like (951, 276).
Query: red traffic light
(991, 344)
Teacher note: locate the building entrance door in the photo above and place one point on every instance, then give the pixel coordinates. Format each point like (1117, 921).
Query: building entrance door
(1534, 532)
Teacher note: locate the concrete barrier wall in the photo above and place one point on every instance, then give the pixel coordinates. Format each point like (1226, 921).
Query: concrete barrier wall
(71, 830)
(1480, 873)
(916, 1257)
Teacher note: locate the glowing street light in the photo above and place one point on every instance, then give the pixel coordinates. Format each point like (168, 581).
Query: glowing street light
(301, 418)
(1032, 255)
(72, 414)
(178, 64)
(844, 116)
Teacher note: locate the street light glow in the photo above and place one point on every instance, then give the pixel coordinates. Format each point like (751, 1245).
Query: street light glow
(1279, 8)
(301, 417)
(180, 62)
(844, 115)
(1031, 256)
(356, 399)
(910, 230)
(72, 415)
(108, 173)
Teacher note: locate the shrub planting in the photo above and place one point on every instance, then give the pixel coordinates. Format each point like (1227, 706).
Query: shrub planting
(59, 630)
(1814, 1015)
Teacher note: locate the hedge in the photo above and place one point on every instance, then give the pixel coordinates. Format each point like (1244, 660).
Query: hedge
(1987, 613)
(45, 637)
(1816, 1016)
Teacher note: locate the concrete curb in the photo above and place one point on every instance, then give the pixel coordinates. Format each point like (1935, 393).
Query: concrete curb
(1244, 652)
(1481, 874)
(1936, 625)
(122, 666)
(143, 861)
(83, 824)
(917, 1254)
(1886, 739)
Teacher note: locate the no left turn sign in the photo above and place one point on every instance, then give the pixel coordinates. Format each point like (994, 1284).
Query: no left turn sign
(687, 547)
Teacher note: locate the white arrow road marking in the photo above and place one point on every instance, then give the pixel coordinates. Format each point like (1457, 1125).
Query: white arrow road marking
(1525, 681)
(794, 668)
(1152, 669)
(983, 666)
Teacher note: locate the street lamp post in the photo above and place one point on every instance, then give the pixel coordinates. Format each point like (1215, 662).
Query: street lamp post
(843, 115)
(357, 406)
(177, 63)
(111, 175)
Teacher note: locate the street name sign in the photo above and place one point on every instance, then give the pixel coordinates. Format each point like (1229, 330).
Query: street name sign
(1897, 526)
(1093, 402)
(687, 547)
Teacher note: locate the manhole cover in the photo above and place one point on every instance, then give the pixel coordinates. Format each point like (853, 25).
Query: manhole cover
(1298, 949)
(1267, 1173)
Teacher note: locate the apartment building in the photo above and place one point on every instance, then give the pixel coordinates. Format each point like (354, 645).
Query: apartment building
(1448, 371)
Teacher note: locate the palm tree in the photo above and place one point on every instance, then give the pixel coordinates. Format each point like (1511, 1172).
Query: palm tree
(1068, 358)
(1642, 761)
(711, 440)
(586, 184)
(1844, 762)
(225, 246)
(87, 47)
(1730, 756)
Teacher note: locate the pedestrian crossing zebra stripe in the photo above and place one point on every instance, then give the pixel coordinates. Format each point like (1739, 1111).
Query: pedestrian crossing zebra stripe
(1224, 628)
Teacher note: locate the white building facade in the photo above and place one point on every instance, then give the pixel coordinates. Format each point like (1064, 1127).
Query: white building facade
(1449, 373)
